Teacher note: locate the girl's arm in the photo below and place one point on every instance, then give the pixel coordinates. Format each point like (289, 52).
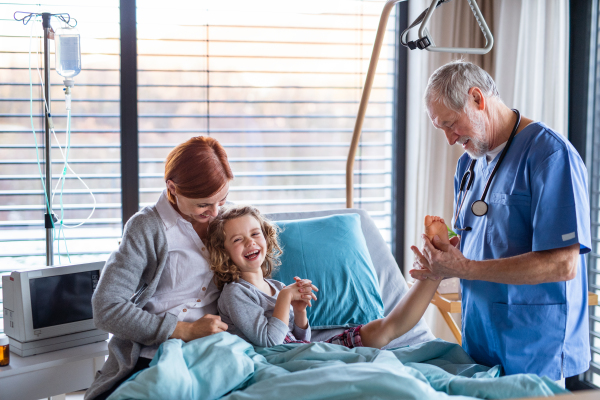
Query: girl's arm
(300, 318)
(301, 332)
(299, 306)
(282, 306)
(242, 310)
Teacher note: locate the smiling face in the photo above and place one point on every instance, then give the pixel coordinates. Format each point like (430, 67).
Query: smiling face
(467, 128)
(199, 210)
(245, 243)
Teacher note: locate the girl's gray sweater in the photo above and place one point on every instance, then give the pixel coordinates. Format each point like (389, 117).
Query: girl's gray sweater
(248, 313)
(127, 283)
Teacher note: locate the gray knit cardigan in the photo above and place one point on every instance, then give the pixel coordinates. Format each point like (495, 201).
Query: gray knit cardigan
(127, 283)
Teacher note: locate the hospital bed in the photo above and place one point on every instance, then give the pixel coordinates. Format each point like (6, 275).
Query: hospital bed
(416, 365)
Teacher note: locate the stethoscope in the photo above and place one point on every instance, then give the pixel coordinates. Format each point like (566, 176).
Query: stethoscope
(479, 207)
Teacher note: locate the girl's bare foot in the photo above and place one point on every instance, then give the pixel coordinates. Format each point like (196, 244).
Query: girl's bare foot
(436, 226)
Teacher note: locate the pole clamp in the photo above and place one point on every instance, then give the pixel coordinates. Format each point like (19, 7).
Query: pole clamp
(48, 223)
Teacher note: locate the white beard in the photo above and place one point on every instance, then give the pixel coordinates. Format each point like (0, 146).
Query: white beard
(478, 140)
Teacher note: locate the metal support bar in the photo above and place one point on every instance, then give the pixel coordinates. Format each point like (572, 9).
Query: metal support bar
(364, 100)
(487, 34)
(399, 137)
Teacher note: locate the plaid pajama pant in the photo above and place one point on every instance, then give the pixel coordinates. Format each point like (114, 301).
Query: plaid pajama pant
(350, 338)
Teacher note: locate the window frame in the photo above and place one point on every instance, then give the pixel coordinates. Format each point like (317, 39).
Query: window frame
(583, 67)
(130, 185)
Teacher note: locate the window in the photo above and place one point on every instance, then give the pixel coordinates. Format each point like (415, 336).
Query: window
(584, 134)
(593, 375)
(277, 83)
(94, 140)
(590, 147)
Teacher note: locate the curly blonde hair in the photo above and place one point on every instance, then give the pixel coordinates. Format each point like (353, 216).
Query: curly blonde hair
(220, 262)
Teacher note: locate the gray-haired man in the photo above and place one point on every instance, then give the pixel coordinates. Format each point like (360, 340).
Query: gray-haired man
(521, 264)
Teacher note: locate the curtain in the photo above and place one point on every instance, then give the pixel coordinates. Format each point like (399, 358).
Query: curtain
(430, 161)
(529, 62)
(532, 58)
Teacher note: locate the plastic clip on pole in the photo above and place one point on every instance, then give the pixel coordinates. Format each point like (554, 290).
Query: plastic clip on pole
(49, 223)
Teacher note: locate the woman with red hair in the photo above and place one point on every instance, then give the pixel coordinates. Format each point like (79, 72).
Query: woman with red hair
(158, 285)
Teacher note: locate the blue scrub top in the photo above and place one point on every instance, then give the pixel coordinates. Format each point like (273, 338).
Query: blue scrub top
(537, 200)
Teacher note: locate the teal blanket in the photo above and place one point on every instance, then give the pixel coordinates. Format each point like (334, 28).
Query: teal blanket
(225, 366)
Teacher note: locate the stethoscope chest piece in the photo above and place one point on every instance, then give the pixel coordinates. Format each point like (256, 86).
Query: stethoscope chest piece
(479, 208)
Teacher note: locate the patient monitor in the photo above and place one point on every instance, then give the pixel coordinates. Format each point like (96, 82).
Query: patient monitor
(50, 308)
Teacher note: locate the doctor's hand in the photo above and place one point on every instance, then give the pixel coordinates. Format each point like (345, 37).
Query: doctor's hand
(205, 326)
(437, 259)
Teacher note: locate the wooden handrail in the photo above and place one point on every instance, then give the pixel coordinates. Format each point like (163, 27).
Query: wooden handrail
(592, 299)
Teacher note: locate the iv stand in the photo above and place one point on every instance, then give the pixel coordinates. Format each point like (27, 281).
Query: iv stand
(48, 216)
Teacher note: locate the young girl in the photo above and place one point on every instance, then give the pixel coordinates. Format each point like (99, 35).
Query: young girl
(243, 254)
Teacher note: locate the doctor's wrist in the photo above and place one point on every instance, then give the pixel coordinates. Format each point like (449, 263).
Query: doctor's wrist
(469, 269)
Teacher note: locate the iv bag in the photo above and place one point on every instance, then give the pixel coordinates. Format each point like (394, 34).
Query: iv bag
(68, 52)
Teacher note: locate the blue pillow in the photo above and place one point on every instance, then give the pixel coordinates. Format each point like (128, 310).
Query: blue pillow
(332, 252)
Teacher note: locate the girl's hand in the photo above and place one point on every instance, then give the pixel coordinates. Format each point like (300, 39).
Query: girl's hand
(305, 286)
(301, 291)
(298, 295)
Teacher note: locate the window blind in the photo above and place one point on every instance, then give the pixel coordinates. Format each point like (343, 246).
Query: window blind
(95, 139)
(278, 84)
(593, 375)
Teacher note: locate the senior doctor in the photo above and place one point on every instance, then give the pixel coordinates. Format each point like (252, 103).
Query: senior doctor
(521, 254)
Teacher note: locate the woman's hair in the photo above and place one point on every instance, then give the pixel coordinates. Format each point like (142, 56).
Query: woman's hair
(198, 168)
(220, 262)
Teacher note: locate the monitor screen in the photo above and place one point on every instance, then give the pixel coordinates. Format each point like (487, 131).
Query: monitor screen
(61, 299)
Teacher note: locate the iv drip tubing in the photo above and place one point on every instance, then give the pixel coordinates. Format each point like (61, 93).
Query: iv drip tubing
(51, 233)
(66, 163)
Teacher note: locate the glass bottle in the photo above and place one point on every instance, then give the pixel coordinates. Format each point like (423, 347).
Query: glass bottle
(4, 350)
